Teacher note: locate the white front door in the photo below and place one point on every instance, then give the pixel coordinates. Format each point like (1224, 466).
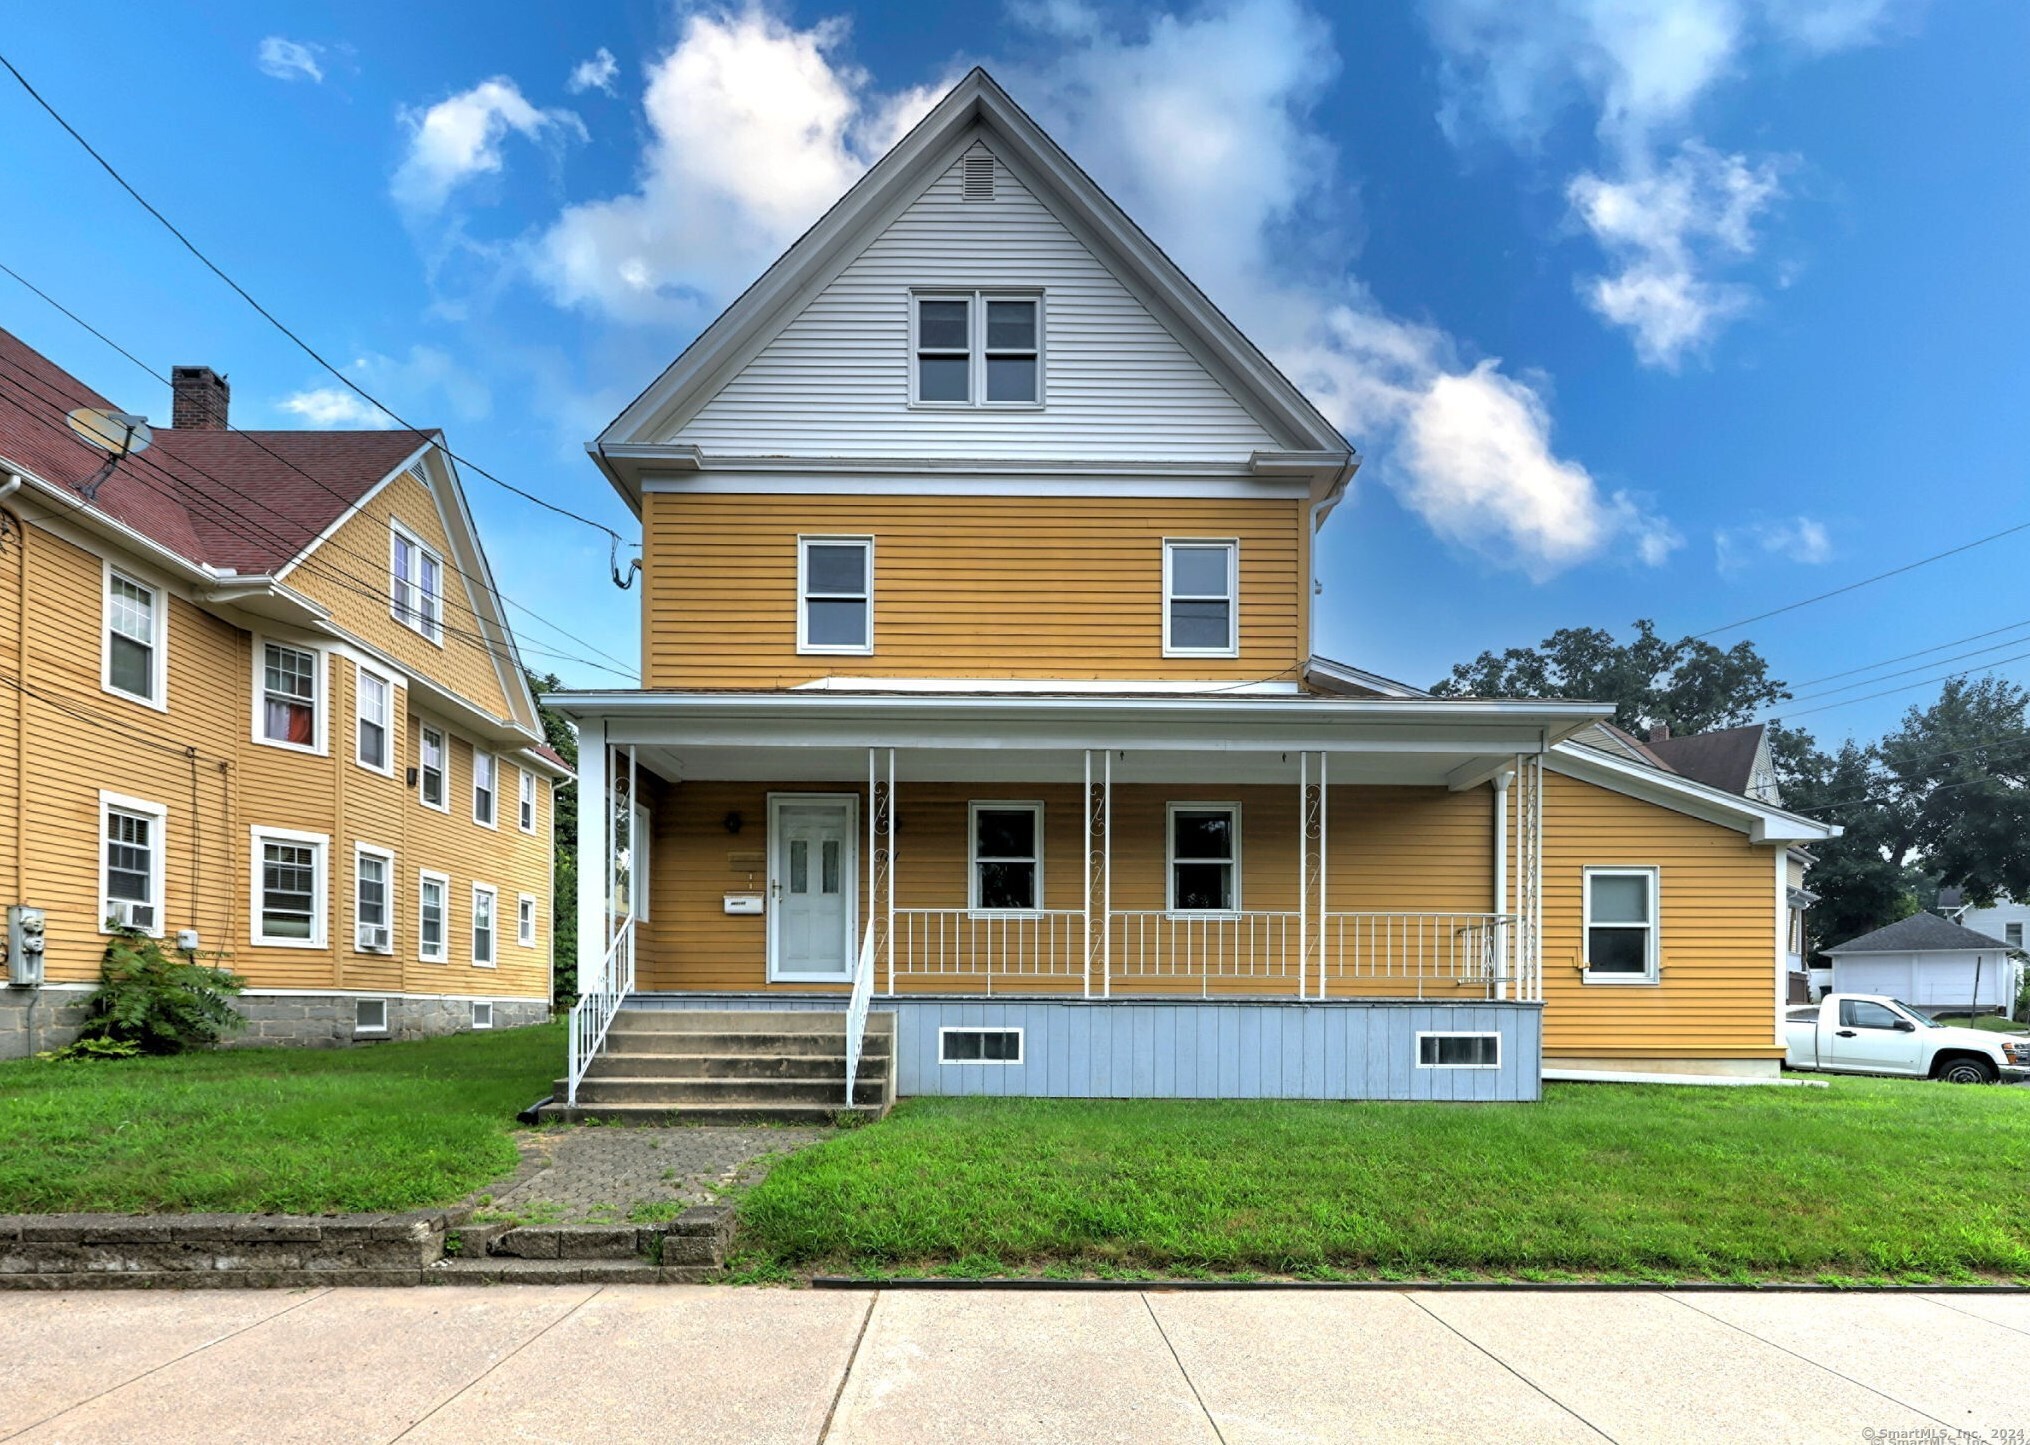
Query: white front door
(813, 872)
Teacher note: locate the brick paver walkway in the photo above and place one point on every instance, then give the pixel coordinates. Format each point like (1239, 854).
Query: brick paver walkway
(604, 1175)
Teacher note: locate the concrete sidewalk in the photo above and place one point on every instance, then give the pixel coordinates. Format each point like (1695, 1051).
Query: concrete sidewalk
(586, 1363)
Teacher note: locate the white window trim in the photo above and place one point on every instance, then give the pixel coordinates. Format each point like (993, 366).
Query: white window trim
(1422, 1034)
(973, 810)
(1021, 1046)
(424, 733)
(360, 1028)
(320, 910)
(976, 345)
(320, 701)
(158, 613)
(387, 857)
(443, 882)
(526, 792)
(804, 543)
(472, 932)
(1170, 811)
(525, 937)
(1233, 597)
(493, 822)
(359, 717)
(1653, 965)
(158, 869)
(421, 549)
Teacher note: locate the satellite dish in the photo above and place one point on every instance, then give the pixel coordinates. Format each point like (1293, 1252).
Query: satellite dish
(117, 433)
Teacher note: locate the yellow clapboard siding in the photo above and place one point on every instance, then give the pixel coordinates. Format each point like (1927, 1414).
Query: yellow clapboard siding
(988, 587)
(68, 739)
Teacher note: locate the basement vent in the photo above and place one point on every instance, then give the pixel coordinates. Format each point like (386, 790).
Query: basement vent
(979, 1046)
(370, 1016)
(482, 1015)
(1458, 1051)
(978, 183)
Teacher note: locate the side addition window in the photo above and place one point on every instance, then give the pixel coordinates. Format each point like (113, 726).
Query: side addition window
(417, 585)
(136, 622)
(375, 706)
(484, 898)
(373, 873)
(1007, 856)
(1621, 932)
(525, 809)
(432, 894)
(130, 863)
(289, 888)
(1205, 852)
(292, 690)
(1201, 598)
(977, 348)
(430, 773)
(485, 787)
(835, 584)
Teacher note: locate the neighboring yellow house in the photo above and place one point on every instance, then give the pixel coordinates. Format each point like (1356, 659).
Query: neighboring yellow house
(977, 554)
(257, 698)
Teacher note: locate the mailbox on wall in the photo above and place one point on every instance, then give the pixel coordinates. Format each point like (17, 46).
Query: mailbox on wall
(743, 903)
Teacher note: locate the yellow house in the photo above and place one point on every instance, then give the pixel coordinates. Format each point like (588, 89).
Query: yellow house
(258, 699)
(982, 728)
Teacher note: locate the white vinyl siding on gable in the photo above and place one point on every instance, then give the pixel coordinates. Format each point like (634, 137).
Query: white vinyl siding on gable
(837, 379)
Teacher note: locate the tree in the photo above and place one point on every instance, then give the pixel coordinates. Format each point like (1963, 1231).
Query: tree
(560, 735)
(1859, 886)
(1689, 685)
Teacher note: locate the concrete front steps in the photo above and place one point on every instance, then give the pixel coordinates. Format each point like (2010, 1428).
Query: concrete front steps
(731, 1066)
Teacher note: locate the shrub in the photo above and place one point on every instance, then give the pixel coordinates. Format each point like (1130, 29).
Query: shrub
(157, 1002)
(91, 1049)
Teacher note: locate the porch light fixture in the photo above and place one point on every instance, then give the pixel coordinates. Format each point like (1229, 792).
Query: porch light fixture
(733, 821)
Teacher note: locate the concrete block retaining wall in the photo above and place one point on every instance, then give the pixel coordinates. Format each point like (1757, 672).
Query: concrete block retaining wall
(35, 1020)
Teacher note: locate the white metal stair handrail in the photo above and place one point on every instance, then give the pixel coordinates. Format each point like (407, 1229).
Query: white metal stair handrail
(856, 1009)
(597, 1003)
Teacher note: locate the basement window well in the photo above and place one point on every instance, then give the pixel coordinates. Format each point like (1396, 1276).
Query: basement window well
(979, 1046)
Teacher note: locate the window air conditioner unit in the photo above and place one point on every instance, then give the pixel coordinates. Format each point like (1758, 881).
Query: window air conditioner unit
(129, 914)
(375, 938)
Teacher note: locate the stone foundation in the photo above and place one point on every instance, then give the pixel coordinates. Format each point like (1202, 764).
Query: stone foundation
(35, 1020)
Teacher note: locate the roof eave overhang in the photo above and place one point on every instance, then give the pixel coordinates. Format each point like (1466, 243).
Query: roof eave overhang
(1760, 821)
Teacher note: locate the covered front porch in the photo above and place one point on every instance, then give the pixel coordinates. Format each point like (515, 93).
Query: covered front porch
(1260, 853)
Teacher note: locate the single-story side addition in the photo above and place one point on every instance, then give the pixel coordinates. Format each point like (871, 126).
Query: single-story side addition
(1930, 962)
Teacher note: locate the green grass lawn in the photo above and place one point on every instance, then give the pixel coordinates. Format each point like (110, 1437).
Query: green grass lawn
(1866, 1178)
(1989, 1022)
(300, 1131)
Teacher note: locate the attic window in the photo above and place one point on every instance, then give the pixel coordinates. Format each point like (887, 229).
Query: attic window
(977, 348)
(978, 181)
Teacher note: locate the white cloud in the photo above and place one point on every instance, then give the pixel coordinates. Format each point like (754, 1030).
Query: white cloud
(1797, 539)
(594, 74)
(1511, 68)
(754, 130)
(334, 406)
(459, 138)
(756, 126)
(289, 59)
(1665, 232)
(419, 386)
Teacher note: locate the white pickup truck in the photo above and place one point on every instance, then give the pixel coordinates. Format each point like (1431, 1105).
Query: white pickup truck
(1866, 1033)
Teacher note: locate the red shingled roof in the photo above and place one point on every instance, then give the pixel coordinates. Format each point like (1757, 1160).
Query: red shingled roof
(246, 501)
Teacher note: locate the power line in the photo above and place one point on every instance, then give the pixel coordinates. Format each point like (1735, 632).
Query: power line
(1906, 687)
(1921, 652)
(276, 322)
(247, 530)
(351, 505)
(1853, 586)
(1905, 672)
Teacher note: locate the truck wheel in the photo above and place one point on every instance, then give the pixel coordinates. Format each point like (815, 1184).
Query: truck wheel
(1966, 1070)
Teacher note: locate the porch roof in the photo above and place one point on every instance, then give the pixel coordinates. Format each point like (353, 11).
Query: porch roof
(1247, 737)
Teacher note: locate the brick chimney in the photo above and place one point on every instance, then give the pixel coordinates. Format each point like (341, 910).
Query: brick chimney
(199, 397)
(1660, 733)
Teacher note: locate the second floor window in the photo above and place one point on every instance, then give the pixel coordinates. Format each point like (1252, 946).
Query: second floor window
(289, 695)
(376, 709)
(976, 348)
(835, 583)
(135, 620)
(526, 801)
(485, 786)
(1201, 598)
(418, 585)
(432, 890)
(430, 772)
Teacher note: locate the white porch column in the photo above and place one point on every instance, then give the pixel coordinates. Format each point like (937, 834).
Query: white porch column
(1504, 942)
(1313, 940)
(881, 859)
(1099, 872)
(595, 854)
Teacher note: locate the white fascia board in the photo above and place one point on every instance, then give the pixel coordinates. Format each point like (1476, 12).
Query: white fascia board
(980, 482)
(1016, 686)
(1761, 822)
(531, 759)
(931, 144)
(75, 509)
(1360, 677)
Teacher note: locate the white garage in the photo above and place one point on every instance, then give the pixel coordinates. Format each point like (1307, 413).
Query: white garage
(1930, 962)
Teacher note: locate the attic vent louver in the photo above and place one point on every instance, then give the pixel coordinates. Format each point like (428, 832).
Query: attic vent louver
(978, 183)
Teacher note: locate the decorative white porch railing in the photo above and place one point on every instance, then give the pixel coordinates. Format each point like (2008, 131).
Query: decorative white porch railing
(856, 1009)
(1152, 945)
(1449, 951)
(599, 999)
(959, 943)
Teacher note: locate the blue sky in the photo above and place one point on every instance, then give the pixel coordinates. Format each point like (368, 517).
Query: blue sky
(1686, 309)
